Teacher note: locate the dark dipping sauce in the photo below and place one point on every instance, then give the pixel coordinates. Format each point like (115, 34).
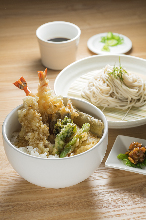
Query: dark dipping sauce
(59, 39)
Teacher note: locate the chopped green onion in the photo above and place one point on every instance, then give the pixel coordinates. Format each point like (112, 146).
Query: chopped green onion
(111, 40)
(106, 48)
(109, 35)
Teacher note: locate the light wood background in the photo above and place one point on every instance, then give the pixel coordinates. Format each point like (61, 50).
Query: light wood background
(107, 193)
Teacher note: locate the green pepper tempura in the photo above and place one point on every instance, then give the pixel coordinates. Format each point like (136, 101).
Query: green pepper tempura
(67, 136)
(69, 147)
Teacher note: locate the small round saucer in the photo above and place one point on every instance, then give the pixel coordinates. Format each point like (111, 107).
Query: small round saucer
(95, 45)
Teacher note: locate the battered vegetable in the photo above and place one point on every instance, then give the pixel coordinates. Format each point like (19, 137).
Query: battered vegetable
(69, 147)
(96, 126)
(66, 132)
(50, 127)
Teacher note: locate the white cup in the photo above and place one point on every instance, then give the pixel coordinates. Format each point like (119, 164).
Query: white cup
(58, 55)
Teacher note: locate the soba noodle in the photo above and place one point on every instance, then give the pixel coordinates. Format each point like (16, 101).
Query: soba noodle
(115, 87)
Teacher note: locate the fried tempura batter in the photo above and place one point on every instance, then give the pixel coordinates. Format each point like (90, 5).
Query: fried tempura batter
(40, 113)
(33, 129)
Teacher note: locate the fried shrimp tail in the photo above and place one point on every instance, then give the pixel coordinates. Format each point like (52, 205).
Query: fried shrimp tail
(22, 84)
(48, 102)
(43, 78)
(44, 89)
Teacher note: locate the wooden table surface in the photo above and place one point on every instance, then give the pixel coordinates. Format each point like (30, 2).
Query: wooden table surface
(107, 193)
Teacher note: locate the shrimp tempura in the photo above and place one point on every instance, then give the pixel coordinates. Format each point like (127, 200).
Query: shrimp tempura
(48, 102)
(33, 130)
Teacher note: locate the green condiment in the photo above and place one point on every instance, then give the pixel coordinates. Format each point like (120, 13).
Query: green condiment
(111, 40)
(118, 72)
(127, 162)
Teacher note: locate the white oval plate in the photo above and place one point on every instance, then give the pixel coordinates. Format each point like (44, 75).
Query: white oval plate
(121, 145)
(96, 46)
(75, 70)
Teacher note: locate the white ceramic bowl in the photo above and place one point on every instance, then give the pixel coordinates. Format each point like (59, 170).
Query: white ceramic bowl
(58, 55)
(55, 172)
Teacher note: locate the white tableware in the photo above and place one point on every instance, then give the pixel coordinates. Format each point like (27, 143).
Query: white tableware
(57, 55)
(73, 72)
(96, 46)
(55, 172)
(121, 145)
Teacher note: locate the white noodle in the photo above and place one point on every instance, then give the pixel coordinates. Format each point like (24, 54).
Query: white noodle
(106, 90)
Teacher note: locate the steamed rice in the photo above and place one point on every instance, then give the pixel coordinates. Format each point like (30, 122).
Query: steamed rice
(30, 150)
(84, 146)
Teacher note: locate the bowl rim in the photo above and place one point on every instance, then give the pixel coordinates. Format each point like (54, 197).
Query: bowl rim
(63, 42)
(105, 133)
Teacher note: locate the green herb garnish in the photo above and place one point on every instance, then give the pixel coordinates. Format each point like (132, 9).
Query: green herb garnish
(118, 72)
(127, 162)
(111, 40)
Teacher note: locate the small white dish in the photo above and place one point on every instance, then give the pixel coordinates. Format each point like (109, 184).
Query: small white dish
(121, 145)
(96, 46)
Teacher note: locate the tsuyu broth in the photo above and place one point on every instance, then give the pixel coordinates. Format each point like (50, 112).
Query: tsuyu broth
(59, 39)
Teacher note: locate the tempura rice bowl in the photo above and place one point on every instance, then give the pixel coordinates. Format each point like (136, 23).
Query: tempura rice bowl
(55, 172)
